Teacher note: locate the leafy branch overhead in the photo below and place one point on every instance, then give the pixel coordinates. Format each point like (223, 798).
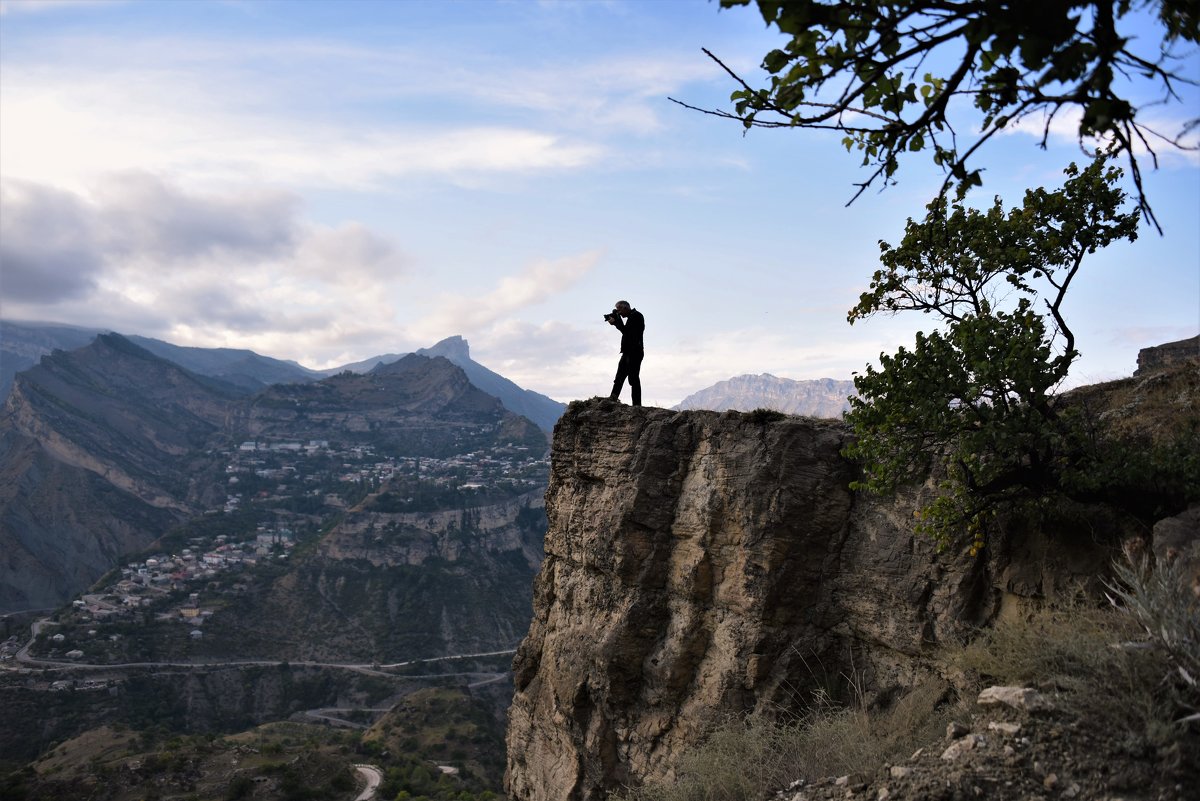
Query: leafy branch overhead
(860, 67)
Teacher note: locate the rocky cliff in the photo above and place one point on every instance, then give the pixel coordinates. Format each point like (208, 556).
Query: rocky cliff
(700, 565)
(387, 587)
(1169, 355)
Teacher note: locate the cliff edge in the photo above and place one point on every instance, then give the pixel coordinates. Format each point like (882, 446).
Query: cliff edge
(700, 565)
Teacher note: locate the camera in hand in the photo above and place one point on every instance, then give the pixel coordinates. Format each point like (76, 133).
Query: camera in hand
(611, 316)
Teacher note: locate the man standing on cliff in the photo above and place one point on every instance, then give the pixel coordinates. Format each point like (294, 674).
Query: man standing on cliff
(632, 349)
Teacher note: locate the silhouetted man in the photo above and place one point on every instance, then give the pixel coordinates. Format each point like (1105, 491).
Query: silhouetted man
(632, 349)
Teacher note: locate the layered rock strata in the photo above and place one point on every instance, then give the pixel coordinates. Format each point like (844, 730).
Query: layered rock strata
(1172, 354)
(700, 565)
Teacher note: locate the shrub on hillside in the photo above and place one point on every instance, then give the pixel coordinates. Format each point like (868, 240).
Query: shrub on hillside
(1164, 600)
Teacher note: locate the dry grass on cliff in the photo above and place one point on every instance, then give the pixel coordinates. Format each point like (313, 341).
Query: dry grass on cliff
(1131, 664)
(1128, 668)
(752, 757)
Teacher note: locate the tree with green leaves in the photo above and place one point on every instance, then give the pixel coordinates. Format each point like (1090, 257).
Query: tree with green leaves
(860, 67)
(975, 397)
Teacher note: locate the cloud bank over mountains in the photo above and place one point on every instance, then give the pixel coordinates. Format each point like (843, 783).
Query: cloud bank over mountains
(141, 253)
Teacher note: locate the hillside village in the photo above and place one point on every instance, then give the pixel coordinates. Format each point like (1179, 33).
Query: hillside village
(335, 476)
(279, 493)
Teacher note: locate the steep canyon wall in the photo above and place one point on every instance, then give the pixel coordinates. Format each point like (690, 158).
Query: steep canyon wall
(700, 565)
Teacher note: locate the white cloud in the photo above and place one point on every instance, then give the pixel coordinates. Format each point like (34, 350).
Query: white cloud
(67, 131)
(1064, 129)
(475, 315)
(363, 258)
(142, 255)
(46, 245)
(620, 95)
(303, 113)
(143, 215)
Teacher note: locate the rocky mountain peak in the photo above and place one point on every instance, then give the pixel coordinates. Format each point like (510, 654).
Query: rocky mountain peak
(454, 348)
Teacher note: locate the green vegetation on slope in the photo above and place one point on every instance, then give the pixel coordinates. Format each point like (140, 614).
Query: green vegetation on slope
(974, 401)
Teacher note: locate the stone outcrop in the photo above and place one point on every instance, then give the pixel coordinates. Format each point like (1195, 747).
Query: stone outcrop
(1171, 354)
(412, 538)
(700, 565)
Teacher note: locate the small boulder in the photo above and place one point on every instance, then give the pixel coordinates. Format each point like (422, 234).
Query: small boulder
(962, 746)
(1022, 698)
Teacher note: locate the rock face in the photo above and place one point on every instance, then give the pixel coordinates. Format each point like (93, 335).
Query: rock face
(101, 451)
(389, 586)
(1169, 355)
(700, 565)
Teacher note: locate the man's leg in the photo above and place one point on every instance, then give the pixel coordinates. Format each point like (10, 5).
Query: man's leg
(634, 366)
(619, 381)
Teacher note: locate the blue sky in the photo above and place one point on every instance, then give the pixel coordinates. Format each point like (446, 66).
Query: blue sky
(329, 181)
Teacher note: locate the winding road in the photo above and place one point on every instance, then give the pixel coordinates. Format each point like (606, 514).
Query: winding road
(374, 777)
(372, 669)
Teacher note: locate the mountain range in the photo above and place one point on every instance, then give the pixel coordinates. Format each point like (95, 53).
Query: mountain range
(823, 397)
(106, 448)
(22, 344)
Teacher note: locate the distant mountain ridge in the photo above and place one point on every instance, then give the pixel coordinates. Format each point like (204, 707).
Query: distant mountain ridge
(101, 450)
(105, 447)
(822, 397)
(237, 366)
(23, 344)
